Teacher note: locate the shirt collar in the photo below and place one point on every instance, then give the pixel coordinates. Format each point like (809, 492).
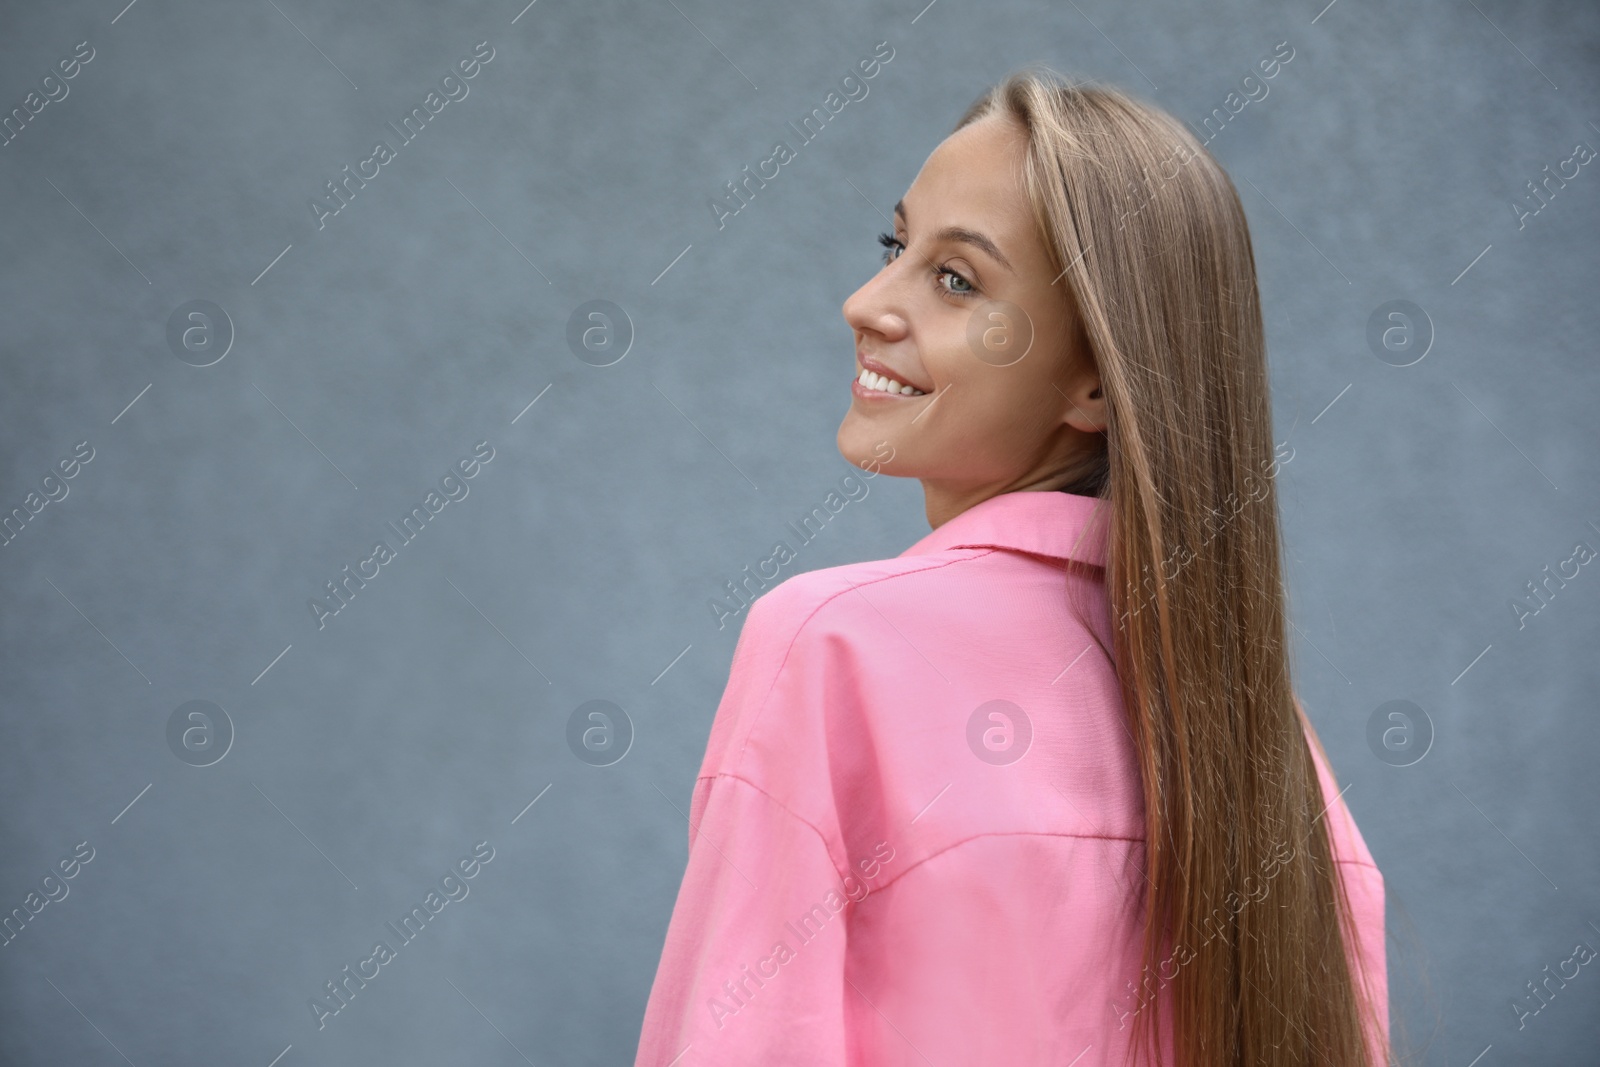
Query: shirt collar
(1041, 522)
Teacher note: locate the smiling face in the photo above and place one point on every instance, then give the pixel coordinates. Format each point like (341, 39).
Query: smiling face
(981, 409)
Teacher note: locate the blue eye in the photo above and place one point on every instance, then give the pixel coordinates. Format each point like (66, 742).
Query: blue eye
(968, 291)
(891, 249)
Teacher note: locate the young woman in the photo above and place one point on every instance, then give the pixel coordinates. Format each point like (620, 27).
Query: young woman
(1037, 790)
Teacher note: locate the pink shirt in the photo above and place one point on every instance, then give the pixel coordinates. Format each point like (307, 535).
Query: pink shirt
(886, 868)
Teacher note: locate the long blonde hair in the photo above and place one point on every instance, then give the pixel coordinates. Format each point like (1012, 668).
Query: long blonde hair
(1153, 249)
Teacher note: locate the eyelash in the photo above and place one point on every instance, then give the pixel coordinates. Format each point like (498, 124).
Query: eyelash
(888, 241)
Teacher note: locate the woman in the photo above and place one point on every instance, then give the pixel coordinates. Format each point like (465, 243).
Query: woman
(1038, 790)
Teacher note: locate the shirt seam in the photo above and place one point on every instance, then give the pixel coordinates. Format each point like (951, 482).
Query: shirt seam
(738, 759)
(781, 806)
(827, 847)
(1046, 833)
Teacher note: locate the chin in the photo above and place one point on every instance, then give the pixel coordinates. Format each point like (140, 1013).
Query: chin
(853, 443)
(865, 451)
(844, 440)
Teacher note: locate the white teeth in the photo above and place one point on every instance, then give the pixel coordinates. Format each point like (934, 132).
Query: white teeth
(885, 385)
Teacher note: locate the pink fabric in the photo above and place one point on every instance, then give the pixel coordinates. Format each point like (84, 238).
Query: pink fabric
(863, 888)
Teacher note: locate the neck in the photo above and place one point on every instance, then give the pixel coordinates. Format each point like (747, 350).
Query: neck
(943, 501)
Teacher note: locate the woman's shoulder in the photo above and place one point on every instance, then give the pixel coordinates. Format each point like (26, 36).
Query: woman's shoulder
(815, 657)
(817, 599)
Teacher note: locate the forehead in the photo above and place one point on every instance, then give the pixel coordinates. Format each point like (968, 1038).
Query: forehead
(974, 179)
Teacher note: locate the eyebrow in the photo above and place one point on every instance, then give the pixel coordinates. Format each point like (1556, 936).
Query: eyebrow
(963, 235)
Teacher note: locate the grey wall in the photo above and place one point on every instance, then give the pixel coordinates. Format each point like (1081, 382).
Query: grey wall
(360, 760)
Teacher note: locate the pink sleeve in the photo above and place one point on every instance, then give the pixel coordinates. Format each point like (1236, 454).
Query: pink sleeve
(1364, 888)
(753, 966)
(752, 970)
(1364, 885)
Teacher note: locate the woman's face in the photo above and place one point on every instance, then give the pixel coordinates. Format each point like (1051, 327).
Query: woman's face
(965, 282)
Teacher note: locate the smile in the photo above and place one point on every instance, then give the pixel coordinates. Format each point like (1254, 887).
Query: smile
(871, 383)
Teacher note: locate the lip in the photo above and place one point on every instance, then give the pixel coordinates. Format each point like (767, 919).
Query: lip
(866, 362)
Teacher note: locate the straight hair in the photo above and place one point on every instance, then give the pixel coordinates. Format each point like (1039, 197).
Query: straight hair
(1153, 251)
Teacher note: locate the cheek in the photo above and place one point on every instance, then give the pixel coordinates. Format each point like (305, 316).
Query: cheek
(990, 420)
(1013, 419)
(1008, 406)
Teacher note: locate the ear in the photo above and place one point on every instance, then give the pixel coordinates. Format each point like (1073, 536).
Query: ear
(1084, 402)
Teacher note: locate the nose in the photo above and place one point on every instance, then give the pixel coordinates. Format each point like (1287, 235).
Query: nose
(876, 307)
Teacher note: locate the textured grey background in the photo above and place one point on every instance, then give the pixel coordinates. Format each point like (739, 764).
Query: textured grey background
(429, 313)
